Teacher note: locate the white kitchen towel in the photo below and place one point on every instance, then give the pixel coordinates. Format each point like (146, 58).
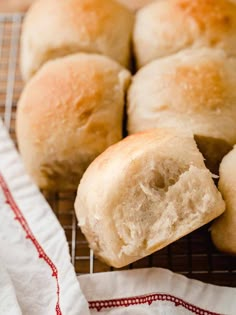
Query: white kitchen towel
(33, 247)
(154, 291)
(8, 301)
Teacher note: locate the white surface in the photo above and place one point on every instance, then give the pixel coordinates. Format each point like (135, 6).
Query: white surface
(138, 283)
(31, 277)
(8, 302)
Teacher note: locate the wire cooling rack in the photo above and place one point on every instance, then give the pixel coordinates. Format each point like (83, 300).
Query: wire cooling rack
(194, 255)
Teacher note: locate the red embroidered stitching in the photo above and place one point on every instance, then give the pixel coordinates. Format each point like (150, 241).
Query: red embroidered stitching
(99, 305)
(29, 235)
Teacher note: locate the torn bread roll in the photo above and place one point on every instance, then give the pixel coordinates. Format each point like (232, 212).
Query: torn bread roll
(223, 230)
(135, 5)
(192, 90)
(68, 113)
(55, 28)
(169, 26)
(144, 193)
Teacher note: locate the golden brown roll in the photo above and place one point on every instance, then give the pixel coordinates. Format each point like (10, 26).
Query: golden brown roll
(193, 90)
(144, 193)
(169, 26)
(55, 28)
(135, 5)
(68, 113)
(223, 230)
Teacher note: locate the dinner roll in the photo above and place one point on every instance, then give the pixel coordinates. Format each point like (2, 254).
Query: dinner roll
(135, 5)
(223, 230)
(55, 28)
(169, 26)
(143, 193)
(193, 90)
(68, 113)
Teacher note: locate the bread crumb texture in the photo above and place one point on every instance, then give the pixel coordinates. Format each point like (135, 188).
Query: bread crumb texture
(143, 193)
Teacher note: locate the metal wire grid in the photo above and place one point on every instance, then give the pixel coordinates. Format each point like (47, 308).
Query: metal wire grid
(193, 255)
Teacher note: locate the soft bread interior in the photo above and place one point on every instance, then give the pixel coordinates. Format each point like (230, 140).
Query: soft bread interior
(167, 207)
(144, 193)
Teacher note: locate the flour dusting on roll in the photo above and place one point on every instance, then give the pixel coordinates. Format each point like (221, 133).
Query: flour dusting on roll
(144, 193)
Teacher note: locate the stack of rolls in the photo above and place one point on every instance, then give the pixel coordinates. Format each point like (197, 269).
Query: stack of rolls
(186, 52)
(148, 190)
(73, 54)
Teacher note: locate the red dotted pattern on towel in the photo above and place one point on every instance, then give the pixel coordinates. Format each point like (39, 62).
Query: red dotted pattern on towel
(29, 235)
(148, 299)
